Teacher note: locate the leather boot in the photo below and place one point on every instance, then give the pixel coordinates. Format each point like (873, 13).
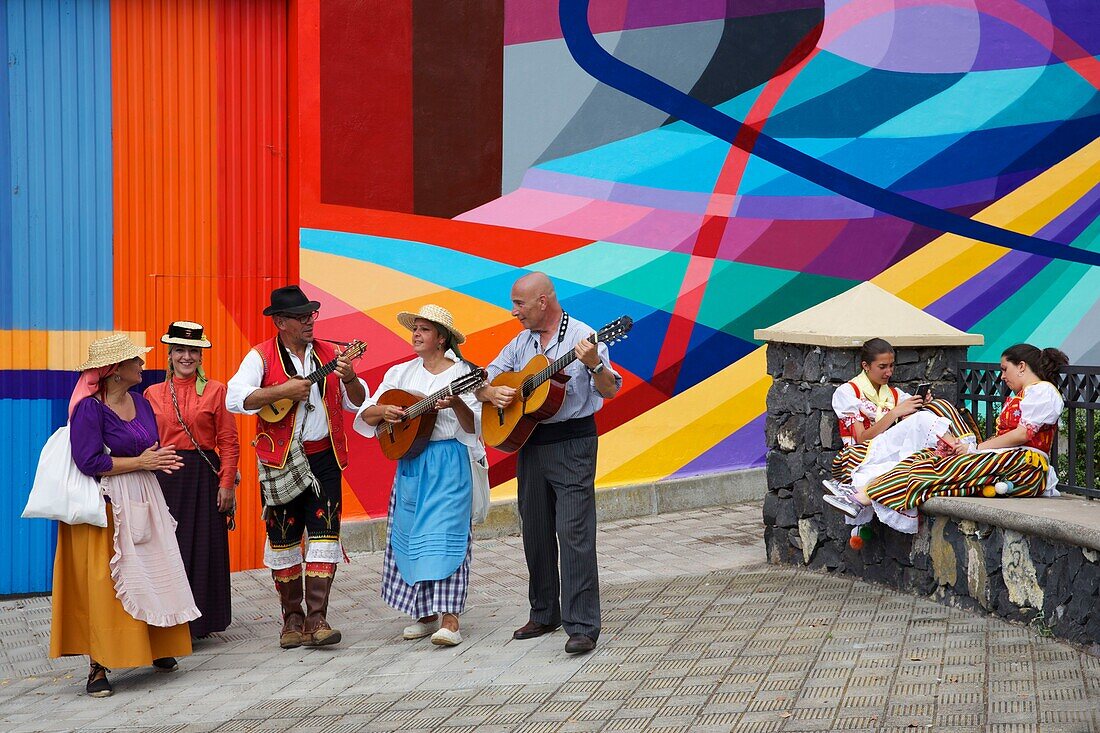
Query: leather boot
(288, 582)
(317, 632)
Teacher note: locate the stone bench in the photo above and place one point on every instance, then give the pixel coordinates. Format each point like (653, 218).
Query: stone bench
(1035, 561)
(1031, 560)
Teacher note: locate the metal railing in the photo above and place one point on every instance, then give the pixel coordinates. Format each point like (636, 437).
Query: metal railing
(983, 393)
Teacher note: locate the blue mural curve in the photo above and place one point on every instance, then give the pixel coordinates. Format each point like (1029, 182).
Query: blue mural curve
(628, 79)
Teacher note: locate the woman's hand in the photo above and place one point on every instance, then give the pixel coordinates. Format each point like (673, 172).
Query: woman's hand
(227, 500)
(393, 414)
(446, 403)
(908, 407)
(156, 458)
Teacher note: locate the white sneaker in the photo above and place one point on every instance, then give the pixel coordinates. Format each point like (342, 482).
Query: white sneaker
(835, 488)
(849, 506)
(420, 630)
(446, 637)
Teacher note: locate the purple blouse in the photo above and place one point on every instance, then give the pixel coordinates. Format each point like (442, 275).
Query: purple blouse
(93, 424)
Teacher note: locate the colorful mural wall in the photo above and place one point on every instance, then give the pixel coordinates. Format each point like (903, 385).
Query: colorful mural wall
(707, 167)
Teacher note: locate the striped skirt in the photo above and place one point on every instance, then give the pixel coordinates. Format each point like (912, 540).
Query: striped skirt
(924, 475)
(921, 430)
(847, 460)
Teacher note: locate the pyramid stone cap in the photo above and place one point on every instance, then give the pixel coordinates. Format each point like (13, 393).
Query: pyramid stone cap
(865, 312)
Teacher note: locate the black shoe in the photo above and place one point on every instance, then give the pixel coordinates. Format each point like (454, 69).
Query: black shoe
(579, 644)
(165, 664)
(531, 629)
(98, 686)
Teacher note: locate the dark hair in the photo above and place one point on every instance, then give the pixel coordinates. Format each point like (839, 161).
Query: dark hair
(874, 348)
(1046, 363)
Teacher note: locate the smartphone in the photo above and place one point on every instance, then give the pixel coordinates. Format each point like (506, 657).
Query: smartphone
(924, 389)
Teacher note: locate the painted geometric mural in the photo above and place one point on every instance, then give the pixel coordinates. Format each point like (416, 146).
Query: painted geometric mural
(707, 167)
(983, 110)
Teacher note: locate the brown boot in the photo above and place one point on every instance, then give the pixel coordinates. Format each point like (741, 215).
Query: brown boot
(288, 582)
(317, 632)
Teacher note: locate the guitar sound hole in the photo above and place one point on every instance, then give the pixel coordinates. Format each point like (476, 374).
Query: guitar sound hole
(526, 389)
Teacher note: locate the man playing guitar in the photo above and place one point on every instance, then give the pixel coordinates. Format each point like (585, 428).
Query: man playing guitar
(556, 467)
(275, 370)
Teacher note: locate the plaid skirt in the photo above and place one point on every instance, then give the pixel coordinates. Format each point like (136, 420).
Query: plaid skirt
(428, 596)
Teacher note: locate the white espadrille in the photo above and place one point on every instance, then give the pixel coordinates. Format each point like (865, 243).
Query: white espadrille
(446, 637)
(419, 630)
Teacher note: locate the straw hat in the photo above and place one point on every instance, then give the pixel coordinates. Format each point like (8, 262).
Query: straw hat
(111, 350)
(185, 333)
(437, 315)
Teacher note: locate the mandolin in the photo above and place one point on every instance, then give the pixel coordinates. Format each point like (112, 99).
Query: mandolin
(408, 438)
(276, 411)
(540, 390)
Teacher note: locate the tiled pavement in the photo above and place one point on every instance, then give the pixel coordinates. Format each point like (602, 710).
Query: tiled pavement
(699, 635)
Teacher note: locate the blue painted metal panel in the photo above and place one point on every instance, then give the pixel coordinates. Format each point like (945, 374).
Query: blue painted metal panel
(26, 545)
(59, 76)
(5, 172)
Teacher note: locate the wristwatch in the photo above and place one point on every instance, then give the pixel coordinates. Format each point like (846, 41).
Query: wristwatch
(596, 369)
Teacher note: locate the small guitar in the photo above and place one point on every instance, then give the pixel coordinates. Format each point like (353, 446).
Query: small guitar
(278, 410)
(540, 390)
(408, 438)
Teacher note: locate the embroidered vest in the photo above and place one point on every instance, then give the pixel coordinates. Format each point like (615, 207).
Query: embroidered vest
(846, 435)
(273, 439)
(1040, 439)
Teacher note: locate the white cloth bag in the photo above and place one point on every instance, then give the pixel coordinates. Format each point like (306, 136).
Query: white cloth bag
(60, 490)
(479, 475)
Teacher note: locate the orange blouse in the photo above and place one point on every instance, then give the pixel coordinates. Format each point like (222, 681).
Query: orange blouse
(212, 425)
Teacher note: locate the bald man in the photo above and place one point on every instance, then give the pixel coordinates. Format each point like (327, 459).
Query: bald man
(556, 469)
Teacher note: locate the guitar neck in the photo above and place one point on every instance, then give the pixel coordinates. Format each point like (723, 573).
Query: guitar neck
(322, 371)
(427, 403)
(556, 366)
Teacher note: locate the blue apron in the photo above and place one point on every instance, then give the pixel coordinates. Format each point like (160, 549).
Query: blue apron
(430, 526)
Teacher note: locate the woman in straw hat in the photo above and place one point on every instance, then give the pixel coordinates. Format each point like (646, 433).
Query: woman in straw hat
(426, 569)
(192, 418)
(120, 594)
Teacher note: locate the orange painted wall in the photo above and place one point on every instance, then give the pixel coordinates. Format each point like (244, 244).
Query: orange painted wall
(200, 155)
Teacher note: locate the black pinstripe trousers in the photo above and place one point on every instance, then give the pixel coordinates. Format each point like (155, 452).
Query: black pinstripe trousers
(557, 506)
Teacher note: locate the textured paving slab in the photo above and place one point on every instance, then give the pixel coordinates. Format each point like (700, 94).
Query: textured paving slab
(699, 635)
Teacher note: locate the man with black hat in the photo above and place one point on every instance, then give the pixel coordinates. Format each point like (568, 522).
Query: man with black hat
(272, 371)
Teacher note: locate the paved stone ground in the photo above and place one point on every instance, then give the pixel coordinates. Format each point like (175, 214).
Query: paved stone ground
(699, 635)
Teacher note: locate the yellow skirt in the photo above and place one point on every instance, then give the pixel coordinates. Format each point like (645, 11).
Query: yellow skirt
(88, 618)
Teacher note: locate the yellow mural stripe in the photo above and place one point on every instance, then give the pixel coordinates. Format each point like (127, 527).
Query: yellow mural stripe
(54, 350)
(665, 438)
(628, 454)
(950, 260)
(392, 291)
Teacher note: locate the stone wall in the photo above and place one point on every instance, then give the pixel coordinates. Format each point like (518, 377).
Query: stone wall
(1052, 585)
(802, 437)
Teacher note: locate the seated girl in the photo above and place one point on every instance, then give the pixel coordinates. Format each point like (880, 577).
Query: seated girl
(867, 407)
(1017, 458)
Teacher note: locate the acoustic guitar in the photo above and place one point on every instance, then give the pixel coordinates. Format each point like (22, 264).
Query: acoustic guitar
(278, 410)
(408, 438)
(540, 390)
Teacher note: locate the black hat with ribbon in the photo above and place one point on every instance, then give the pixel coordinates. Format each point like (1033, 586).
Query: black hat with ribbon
(291, 301)
(185, 333)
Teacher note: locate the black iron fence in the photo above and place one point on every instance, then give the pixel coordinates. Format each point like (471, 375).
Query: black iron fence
(983, 393)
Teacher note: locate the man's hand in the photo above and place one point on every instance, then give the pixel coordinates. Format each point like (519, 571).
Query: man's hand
(500, 396)
(344, 368)
(587, 353)
(297, 389)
